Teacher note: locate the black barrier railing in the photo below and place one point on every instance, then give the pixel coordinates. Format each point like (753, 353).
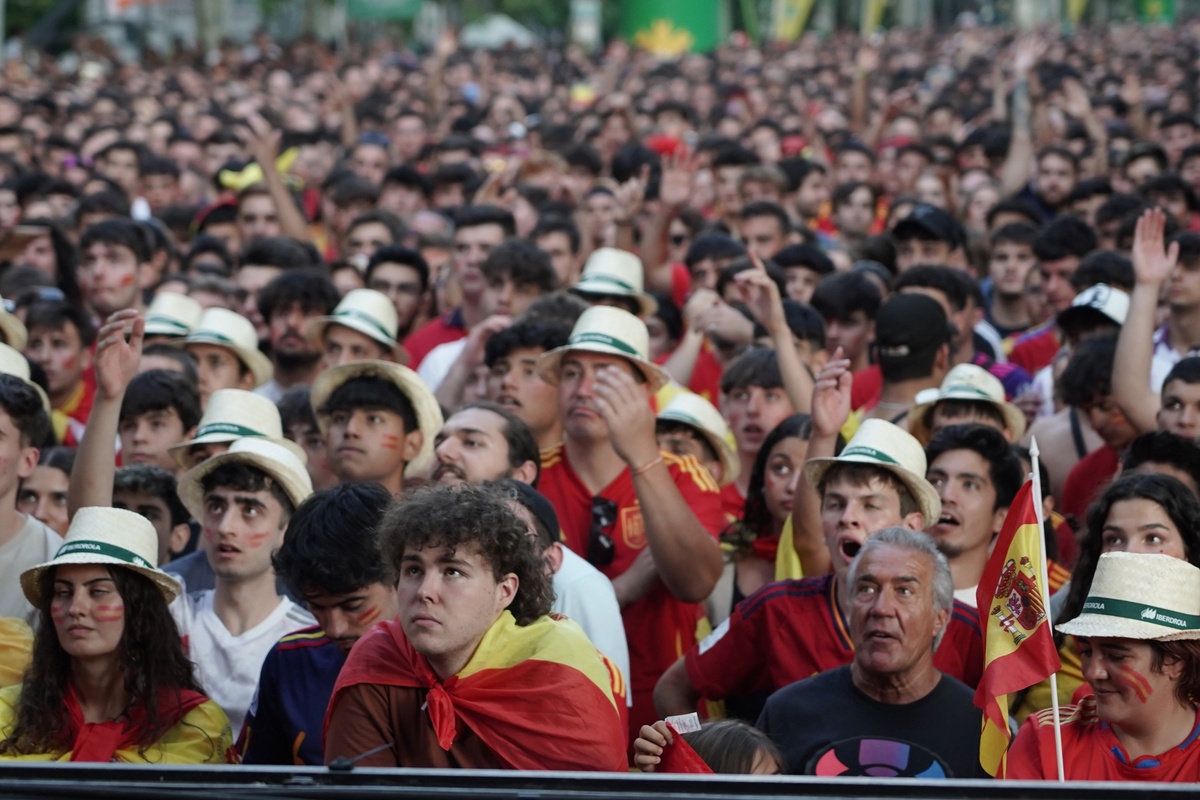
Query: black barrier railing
(126, 782)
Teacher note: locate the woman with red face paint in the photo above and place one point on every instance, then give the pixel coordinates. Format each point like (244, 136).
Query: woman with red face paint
(109, 680)
(1139, 641)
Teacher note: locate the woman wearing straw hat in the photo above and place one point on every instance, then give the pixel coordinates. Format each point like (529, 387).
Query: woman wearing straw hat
(1138, 513)
(1138, 639)
(109, 680)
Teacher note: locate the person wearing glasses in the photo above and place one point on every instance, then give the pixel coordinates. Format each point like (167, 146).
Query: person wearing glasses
(403, 275)
(646, 519)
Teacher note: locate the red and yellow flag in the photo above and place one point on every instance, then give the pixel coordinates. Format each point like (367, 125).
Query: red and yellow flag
(540, 696)
(1017, 640)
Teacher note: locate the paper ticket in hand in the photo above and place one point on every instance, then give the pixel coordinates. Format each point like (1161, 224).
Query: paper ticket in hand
(684, 723)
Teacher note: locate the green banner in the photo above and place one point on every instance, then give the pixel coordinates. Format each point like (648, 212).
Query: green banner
(364, 10)
(670, 28)
(1162, 11)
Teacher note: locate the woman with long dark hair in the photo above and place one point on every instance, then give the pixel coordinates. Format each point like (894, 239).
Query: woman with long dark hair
(750, 543)
(108, 680)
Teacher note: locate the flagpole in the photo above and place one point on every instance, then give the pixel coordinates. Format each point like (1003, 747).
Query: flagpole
(1034, 453)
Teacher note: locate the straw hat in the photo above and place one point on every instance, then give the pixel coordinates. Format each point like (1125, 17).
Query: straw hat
(367, 311)
(15, 364)
(106, 536)
(879, 443)
(692, 409)
(276, 461)
(965, 382)
(13, 330)
(172, 314)
(425, 405)
(1140, 596)
(615, 273)
(611, 331)
(232, 414)
(225, 328)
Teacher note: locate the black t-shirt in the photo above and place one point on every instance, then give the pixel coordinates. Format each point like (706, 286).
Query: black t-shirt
(826, 726)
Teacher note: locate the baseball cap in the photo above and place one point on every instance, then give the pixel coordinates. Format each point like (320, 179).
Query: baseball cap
(908, 325)
(930, 222)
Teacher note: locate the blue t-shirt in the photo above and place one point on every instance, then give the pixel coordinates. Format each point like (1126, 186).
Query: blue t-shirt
(286, 721)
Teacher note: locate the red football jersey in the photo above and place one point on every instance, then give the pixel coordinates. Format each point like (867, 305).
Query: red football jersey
(1092, 752)
(659, 628)
(791, 630)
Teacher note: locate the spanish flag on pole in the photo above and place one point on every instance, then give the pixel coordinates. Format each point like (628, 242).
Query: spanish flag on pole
(1018, 642)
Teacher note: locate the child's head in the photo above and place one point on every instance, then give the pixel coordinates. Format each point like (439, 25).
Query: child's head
(734, 747)
(161, 409)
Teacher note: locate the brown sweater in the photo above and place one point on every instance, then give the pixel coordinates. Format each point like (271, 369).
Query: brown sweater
(368, 715)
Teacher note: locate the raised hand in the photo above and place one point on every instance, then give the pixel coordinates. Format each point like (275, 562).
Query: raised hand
(1152, 263)
(623, 405)
(1028, 53)
(678, 177)
(116, 359)
(831, 396)
(761, 296)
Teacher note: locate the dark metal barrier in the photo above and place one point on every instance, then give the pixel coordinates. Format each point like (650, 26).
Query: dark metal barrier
(87, 781)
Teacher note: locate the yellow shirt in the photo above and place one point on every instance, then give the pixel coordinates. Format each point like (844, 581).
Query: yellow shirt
(203, 736)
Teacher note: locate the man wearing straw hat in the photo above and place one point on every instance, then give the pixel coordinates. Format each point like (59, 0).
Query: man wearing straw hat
(24, 426)
(243, 499)
(792, 629)
(647, 519)
(1137, 639)
(968, 394)
(225, 346)
(362, 327)
(613, 277)
(379, 422)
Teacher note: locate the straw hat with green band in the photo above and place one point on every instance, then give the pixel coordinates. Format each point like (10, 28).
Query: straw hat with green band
(610, 272)
(106, 536)
(224, 328)
(879, 443)
(12, 329)
(367, 311)
(693, 410)
(969, 383)
(276, 461)
(232, 414)
(172, 314)
(425, 405)
(610, 331)
(15, 364)
(1144, 596)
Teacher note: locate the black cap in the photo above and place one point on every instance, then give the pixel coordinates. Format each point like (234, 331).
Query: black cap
(537, 504)
(930, 222)
(910, 324)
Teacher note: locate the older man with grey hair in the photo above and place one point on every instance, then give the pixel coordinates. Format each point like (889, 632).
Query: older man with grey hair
(889, 713)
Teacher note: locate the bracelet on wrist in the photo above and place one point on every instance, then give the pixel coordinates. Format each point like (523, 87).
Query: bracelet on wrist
(644, 468)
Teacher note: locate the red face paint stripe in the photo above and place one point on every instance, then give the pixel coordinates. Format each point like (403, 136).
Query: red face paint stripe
(1136, 681)
(368, 616)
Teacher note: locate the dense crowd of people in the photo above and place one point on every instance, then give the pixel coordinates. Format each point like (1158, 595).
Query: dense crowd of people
(505, 409)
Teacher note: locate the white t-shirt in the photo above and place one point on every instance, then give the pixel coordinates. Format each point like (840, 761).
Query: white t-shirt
(228, 666)
(436, 364)
(966, 596)
(583, 594)
(34, 544)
